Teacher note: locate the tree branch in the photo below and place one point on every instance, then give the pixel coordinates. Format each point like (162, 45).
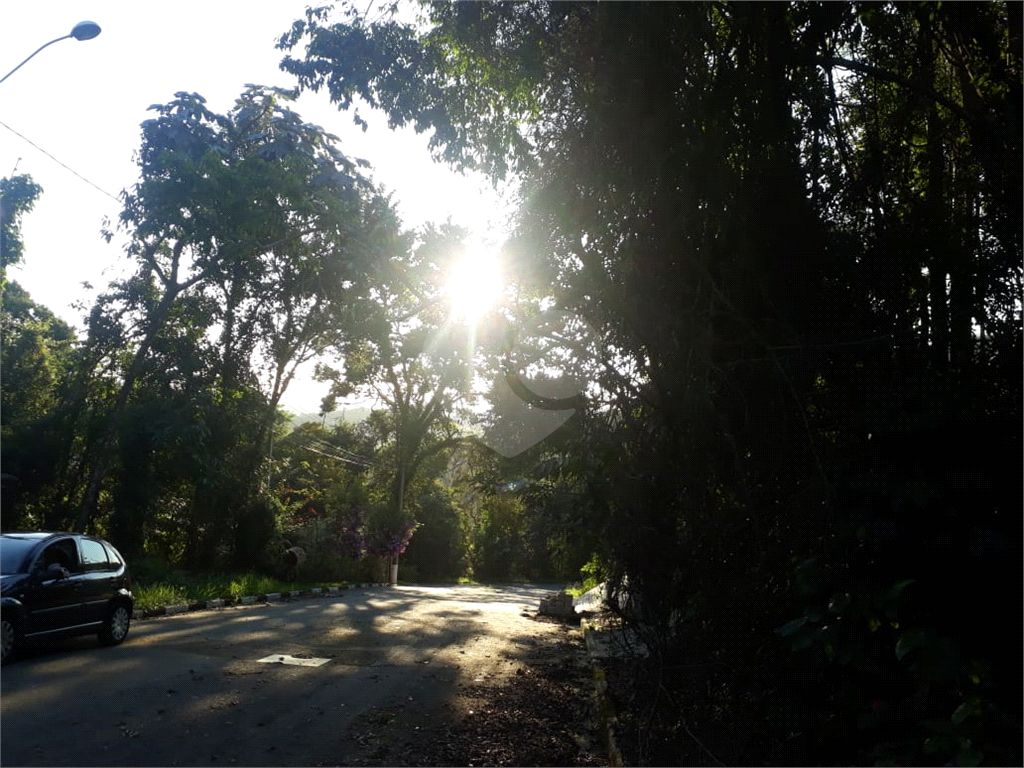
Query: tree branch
(891, 77)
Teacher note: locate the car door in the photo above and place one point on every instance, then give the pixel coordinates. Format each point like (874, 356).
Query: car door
(54, 603)
(97, 580)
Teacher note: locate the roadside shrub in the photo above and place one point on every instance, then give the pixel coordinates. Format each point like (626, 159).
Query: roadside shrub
(252, 584)
(253, 532)
(150, 570)
(154, 595)
(409, 573)
(437, 552)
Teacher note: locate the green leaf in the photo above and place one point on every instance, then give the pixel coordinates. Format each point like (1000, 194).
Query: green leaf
(790, 627)
(944, 727)
(897, 589)
(909, 641)
(969, 756)
(802, 643)
(971, 708)
(839, 603)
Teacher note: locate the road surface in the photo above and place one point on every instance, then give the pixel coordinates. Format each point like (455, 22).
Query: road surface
(396, 670)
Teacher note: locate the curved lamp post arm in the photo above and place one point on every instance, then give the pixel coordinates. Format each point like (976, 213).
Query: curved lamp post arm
(83, 30)
(37, 50)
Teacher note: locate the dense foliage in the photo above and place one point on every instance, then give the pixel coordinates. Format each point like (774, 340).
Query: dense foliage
(797, 229)
(790, 235)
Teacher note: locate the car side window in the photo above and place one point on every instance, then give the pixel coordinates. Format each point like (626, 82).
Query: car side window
(94, 556)
(113, 557)
(63, 552)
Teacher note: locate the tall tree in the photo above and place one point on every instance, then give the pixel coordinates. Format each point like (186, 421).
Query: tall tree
(261, 214)
(18, 194)
(36, 356)
(797, 229)
(413, 356)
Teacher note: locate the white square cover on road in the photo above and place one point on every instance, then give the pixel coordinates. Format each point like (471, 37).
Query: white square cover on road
(284, 658)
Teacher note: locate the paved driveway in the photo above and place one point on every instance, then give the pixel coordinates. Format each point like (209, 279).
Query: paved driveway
(190, 689)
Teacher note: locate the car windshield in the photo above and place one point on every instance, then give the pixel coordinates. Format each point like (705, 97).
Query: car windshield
(13, 552)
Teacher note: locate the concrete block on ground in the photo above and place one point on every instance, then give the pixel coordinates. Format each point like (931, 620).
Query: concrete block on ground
(591, 601)
(557, 605)
(613, 642)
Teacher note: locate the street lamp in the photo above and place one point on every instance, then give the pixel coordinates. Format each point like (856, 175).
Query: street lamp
(83, 30)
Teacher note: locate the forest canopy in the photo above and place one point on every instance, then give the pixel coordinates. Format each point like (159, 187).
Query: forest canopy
(793, 232)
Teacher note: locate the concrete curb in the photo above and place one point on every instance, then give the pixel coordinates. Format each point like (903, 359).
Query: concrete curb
(223, 602)
(604, 706)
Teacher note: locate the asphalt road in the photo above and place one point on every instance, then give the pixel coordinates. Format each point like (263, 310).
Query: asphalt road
(190, 689)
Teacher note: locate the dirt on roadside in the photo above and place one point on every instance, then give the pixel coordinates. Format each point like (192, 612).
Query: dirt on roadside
(530, 708)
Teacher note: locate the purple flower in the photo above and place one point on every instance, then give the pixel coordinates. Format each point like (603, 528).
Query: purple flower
(390, 544)
(349, 539)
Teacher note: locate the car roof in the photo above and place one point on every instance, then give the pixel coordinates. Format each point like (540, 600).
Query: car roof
(33, 535)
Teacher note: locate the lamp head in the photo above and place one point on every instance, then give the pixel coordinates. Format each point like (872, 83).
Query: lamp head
(85, 30)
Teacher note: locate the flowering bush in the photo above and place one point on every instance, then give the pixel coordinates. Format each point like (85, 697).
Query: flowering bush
(390, 544)
(349, 541)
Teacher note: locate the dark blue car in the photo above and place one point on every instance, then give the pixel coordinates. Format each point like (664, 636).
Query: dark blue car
(58, 585)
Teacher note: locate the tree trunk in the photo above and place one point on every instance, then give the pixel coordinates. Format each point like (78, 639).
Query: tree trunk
(105, 451)
(935, 223)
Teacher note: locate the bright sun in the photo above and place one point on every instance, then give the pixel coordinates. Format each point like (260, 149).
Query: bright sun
(474, 286)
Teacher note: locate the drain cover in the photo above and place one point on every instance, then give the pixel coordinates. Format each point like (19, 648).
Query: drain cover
(297, 661)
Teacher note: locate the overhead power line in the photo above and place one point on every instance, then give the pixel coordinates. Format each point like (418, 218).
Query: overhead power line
(324, 448)
(58, 162)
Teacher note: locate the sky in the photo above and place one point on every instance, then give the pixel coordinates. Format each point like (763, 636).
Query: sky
(83, 102)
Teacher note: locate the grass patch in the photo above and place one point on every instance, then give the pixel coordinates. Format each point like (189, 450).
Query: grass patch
(177, 587)
(154, 595)
(575, 590)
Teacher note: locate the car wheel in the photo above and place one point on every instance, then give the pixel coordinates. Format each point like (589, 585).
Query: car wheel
(8, 639)
(115, 628)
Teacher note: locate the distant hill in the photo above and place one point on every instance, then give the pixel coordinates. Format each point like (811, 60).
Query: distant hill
(350, 415)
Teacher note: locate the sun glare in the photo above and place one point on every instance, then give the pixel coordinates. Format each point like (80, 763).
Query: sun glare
(474, 286)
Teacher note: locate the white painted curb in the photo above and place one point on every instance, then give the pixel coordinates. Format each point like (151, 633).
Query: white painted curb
(172, 609)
